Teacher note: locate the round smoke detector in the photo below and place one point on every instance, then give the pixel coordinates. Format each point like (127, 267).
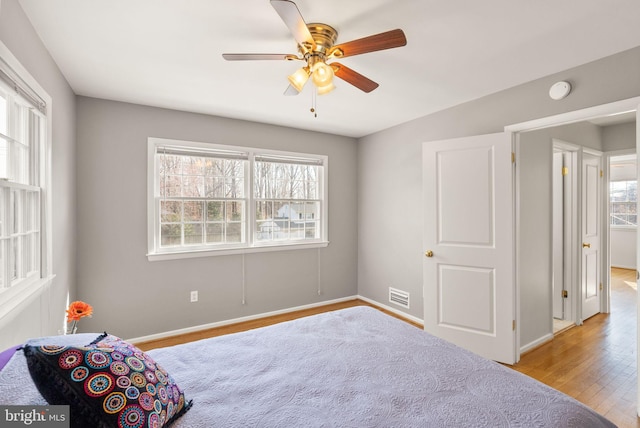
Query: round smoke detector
(559, 90)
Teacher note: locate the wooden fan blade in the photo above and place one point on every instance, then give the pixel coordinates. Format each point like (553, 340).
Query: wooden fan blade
(258, 56)
(356, 79)
(292, 17)
(377, 42)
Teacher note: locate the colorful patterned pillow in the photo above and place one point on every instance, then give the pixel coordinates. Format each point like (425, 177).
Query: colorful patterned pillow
(108, 383)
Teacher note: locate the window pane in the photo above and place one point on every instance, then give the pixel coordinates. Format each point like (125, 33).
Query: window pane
(215, 187)
(623, 205)
(170, 235)
(192, 186)
(4, 112)
(2, 264)
(267, 230)
(193, 233)
(215, 232)
(194, 211)
(4, 158)
(169, 164)
(264, 210)
(215, 210)
(234, 232)
(192, 165)
(170, 211)
(234, 211)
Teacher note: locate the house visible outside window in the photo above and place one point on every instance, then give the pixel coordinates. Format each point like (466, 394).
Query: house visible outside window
(207, 199)
(623, 203)
(24, 252)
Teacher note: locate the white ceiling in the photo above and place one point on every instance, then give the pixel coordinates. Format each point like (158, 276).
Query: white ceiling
(168, 53)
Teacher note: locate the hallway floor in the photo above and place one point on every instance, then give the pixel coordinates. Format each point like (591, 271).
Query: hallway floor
(596, 362)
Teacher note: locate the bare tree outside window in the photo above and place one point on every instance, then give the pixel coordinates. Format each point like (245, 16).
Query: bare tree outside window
(210, 197)
(202, 199)
(287, 202)
(623, 203)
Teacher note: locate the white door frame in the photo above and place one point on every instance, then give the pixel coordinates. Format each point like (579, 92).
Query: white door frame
(606, 231)
(614, 108)
(571, 229)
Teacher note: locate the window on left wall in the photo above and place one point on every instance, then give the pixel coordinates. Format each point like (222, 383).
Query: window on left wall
(24, 255)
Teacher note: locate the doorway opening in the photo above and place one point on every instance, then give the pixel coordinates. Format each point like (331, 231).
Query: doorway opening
(535, 326)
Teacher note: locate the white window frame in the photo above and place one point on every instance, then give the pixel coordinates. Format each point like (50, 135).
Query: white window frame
(251, 245)
(620, 226)
(14, 296)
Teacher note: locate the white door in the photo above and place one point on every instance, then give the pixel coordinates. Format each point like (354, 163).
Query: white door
(591, 209)
(469, 286)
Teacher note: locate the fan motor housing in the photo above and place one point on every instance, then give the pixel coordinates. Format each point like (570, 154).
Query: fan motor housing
(324, 35)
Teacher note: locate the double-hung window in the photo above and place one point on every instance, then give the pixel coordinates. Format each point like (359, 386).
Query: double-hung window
(623, 203)
(22, 183)
(212, 199)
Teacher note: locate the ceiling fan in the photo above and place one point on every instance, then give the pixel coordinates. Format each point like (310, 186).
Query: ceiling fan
(316, 47)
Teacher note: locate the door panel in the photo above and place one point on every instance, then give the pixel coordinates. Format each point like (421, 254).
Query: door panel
(466, 298)
(456, 201)
(469, 288)
(591, 214)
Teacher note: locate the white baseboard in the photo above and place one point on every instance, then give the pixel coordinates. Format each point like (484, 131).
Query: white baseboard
(538, 342)
(394, 310)
(623, 267)
(201, 327)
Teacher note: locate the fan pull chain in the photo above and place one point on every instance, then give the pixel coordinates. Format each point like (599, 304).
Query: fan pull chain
(313, 103)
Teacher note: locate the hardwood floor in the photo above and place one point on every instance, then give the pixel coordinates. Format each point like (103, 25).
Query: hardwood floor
(249, 325)
(594, 363)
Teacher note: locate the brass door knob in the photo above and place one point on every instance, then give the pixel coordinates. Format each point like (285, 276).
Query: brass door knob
(585, 245)
(429, 253)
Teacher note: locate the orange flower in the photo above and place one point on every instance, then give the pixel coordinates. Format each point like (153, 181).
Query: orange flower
(78, 310)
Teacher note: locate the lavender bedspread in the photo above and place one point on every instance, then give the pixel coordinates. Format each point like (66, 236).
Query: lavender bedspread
(357, 368)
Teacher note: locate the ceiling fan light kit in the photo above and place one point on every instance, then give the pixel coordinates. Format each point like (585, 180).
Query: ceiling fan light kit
(316, 48)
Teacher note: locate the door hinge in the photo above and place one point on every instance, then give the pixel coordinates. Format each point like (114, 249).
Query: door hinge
(565, 170)
(600, 286)
(513, 157)
(565, 294)
(513, 325)
(601, 173)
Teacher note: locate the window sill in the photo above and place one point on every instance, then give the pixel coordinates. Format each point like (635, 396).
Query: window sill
(233, 251)
(626, 228)
(14, 297)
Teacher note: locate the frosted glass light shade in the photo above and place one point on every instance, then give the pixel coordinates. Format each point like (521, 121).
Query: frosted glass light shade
(326, 88)
(299, 78)
(322, 74)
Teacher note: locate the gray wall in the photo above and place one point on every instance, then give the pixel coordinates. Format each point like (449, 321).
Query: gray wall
(44, 314)
(619, 137)
(622, 241)
(535, 267)
(390, 250)
(134, 297)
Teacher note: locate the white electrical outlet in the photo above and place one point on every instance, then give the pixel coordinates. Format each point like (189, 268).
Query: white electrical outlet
(194, 296)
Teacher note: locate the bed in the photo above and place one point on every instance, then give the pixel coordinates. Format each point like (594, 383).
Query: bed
(355, 367)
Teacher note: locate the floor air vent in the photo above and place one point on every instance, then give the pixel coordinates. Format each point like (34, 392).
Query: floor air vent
(399, 297)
